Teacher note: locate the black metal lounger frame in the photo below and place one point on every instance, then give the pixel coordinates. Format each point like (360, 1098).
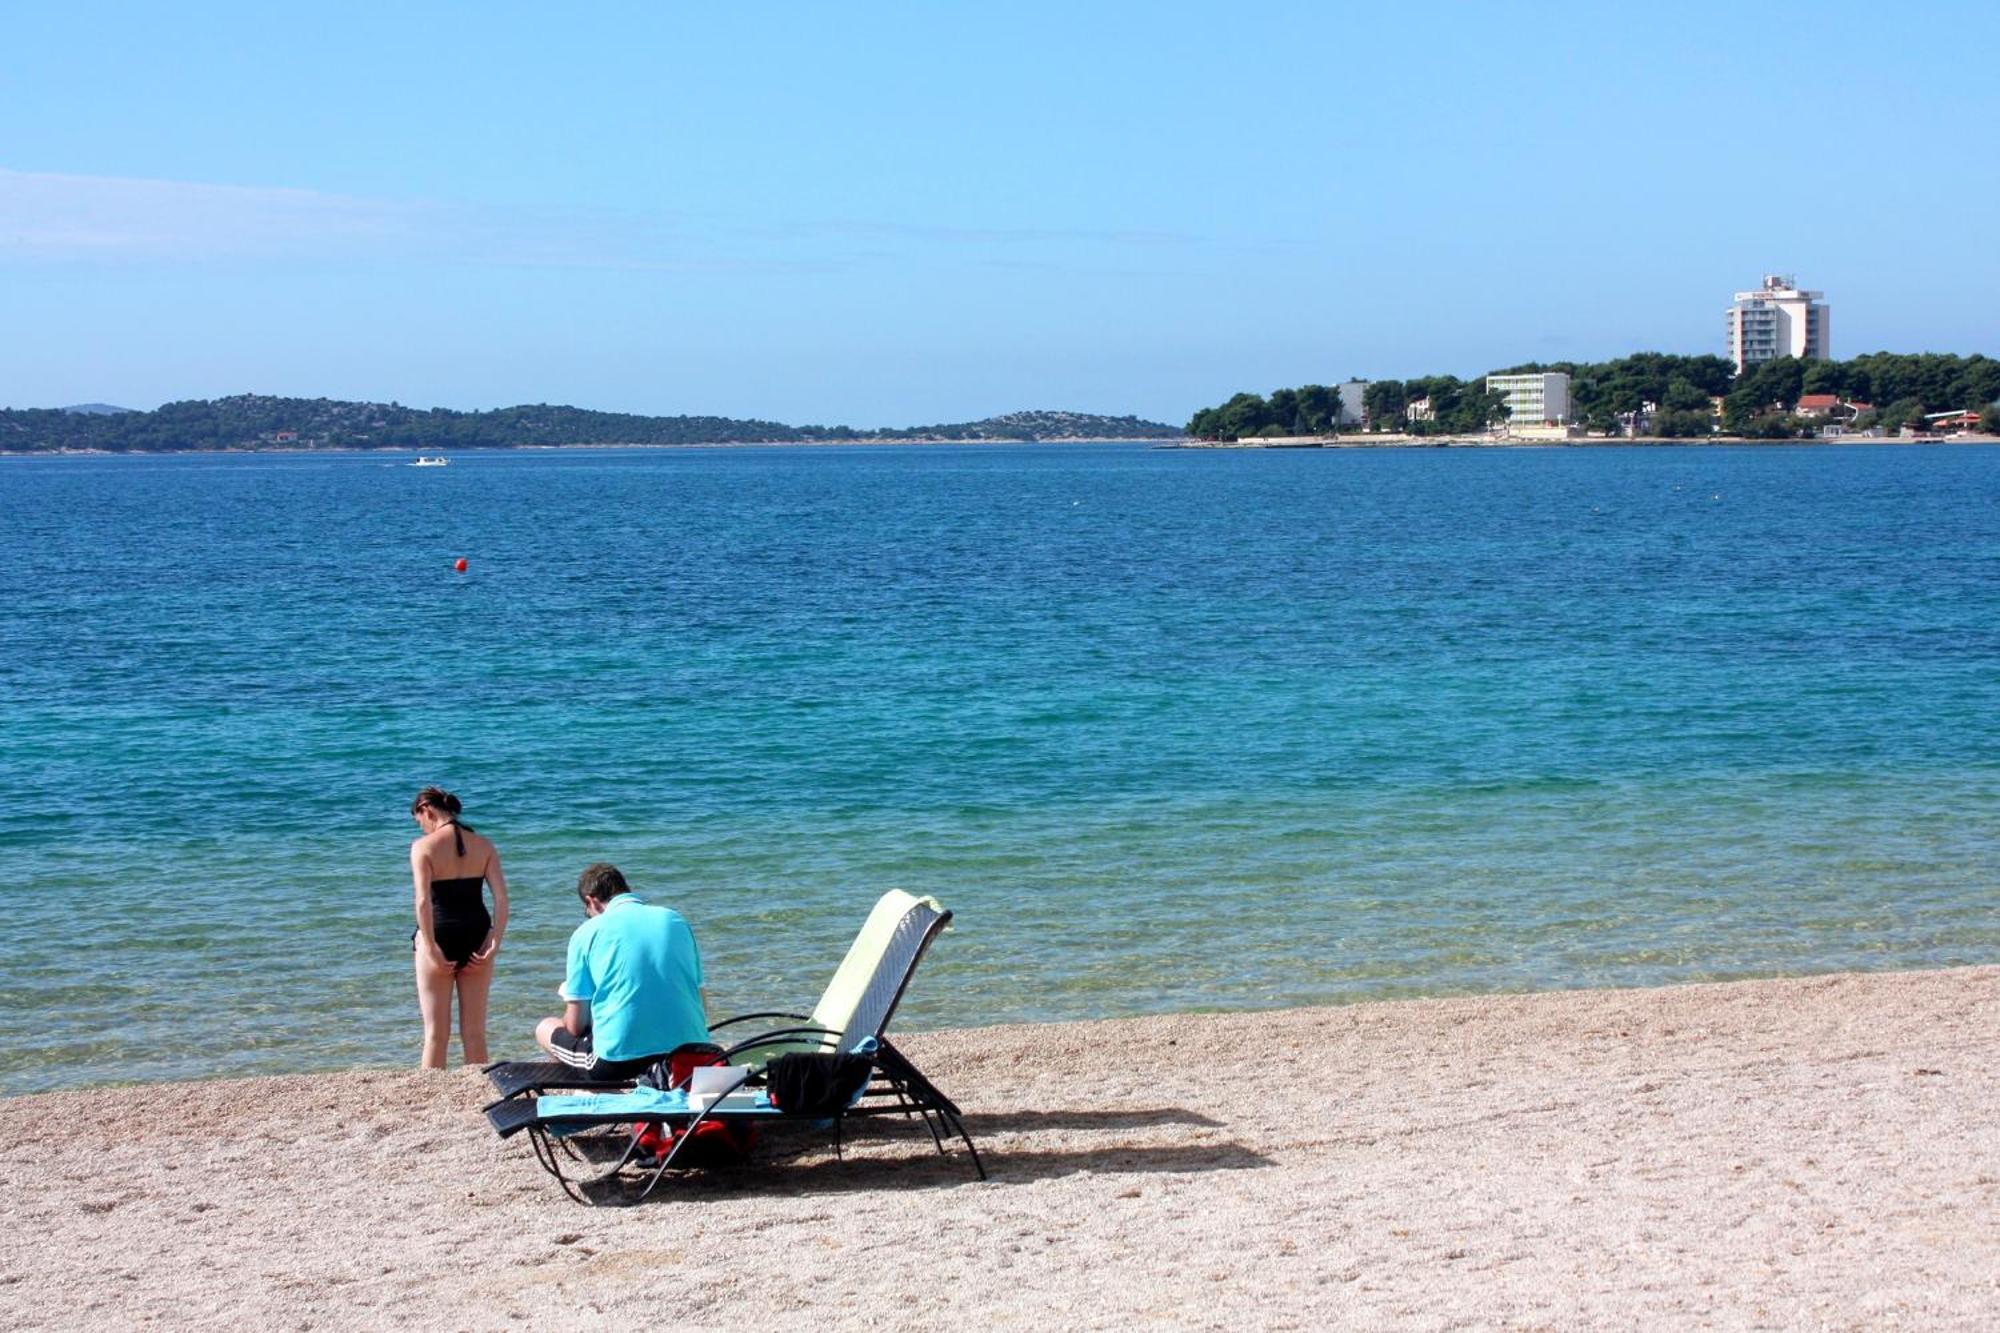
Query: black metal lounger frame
(915, 1096)
(893, 1076)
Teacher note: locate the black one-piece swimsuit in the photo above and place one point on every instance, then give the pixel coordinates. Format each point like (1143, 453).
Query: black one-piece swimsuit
(459, 920)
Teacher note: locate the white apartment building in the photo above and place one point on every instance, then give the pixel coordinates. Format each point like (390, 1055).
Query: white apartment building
(1540, 399)
(1778, 319)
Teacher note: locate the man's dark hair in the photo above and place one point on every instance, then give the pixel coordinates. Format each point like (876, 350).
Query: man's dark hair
(600, 882)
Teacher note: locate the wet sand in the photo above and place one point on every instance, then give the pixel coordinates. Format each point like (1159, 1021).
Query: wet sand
(1822, 1152)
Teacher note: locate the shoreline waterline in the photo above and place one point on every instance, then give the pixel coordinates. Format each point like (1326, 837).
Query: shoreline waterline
(520, 1046)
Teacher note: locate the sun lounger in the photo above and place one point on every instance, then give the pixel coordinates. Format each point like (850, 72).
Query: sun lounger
(855, 1008)
(551, 1120)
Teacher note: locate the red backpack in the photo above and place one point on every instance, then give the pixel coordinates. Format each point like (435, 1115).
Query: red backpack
(715, 1142)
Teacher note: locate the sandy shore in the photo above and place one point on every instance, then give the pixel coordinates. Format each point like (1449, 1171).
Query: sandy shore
(1806, 1153)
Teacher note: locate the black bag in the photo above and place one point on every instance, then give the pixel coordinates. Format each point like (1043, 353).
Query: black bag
(816, 1084)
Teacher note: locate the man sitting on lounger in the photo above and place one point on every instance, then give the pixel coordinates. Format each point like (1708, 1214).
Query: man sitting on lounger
(633, 991)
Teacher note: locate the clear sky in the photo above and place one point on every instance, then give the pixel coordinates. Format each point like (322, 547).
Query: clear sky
(899, 213)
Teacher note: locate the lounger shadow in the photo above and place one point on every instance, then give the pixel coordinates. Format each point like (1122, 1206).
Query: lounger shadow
(1138, 1118)
(878, 1166)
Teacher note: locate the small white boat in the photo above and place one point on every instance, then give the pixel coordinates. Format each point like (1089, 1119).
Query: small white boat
(439, 461)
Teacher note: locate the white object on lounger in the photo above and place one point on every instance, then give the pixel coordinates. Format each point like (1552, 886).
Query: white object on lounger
(709, 1082)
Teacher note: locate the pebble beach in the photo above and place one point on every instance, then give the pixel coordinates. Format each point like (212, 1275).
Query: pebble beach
(1816, 1152)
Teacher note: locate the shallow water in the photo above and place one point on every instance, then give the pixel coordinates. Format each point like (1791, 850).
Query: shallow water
(1166, 729)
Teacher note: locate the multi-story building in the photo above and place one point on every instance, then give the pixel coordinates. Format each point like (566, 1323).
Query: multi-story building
(1539, 399)
(1778, 319)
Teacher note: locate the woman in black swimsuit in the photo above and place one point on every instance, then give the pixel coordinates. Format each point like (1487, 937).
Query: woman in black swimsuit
(455, 938)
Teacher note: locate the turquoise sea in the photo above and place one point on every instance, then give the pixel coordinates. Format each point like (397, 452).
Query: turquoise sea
(1166, 729)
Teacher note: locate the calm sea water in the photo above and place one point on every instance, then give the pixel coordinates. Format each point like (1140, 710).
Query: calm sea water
(1166, 729)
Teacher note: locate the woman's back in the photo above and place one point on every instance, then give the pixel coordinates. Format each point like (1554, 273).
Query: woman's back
(453, 851)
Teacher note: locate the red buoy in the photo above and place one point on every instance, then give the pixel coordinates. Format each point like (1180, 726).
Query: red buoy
(459, 564)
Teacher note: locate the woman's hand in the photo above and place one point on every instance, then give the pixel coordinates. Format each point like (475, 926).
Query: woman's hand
(486, 950)
(439, 961)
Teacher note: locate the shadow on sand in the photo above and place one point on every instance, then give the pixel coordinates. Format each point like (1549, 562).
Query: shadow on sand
(896, 1156)
(1027, 1122)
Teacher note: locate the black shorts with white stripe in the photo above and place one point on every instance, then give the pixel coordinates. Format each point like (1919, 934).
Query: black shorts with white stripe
(576, 1053)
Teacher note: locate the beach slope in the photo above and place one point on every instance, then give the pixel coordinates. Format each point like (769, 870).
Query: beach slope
(1813, 1152)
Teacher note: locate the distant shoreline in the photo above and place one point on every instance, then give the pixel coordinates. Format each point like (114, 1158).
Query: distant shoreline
(295, 451)
(262, 422)
(1343, 442)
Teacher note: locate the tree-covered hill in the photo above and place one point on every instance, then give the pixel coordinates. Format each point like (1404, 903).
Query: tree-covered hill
(1450, 406)
(1900, 389)
(1681, 389)
(1601, 391)
(257, 421)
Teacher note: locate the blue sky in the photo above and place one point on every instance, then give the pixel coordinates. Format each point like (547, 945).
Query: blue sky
(899, 213)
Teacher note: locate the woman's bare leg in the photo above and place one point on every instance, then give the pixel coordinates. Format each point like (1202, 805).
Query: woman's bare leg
(475, 981)
(434, 987)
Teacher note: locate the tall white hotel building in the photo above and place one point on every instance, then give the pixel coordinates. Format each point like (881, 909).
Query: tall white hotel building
(1777, 320)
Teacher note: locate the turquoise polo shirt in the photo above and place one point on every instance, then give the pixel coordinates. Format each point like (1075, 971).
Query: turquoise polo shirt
(638, 968)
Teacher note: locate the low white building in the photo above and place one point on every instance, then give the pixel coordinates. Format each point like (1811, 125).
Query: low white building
(1539, 399)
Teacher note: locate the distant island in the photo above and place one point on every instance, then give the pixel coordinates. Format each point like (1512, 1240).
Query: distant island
(258, 421)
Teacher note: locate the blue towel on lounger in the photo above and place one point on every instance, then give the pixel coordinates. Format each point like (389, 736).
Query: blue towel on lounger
(638, 1102)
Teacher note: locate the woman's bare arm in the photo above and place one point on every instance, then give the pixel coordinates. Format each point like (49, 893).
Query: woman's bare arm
(496, 879)
(420, 877)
